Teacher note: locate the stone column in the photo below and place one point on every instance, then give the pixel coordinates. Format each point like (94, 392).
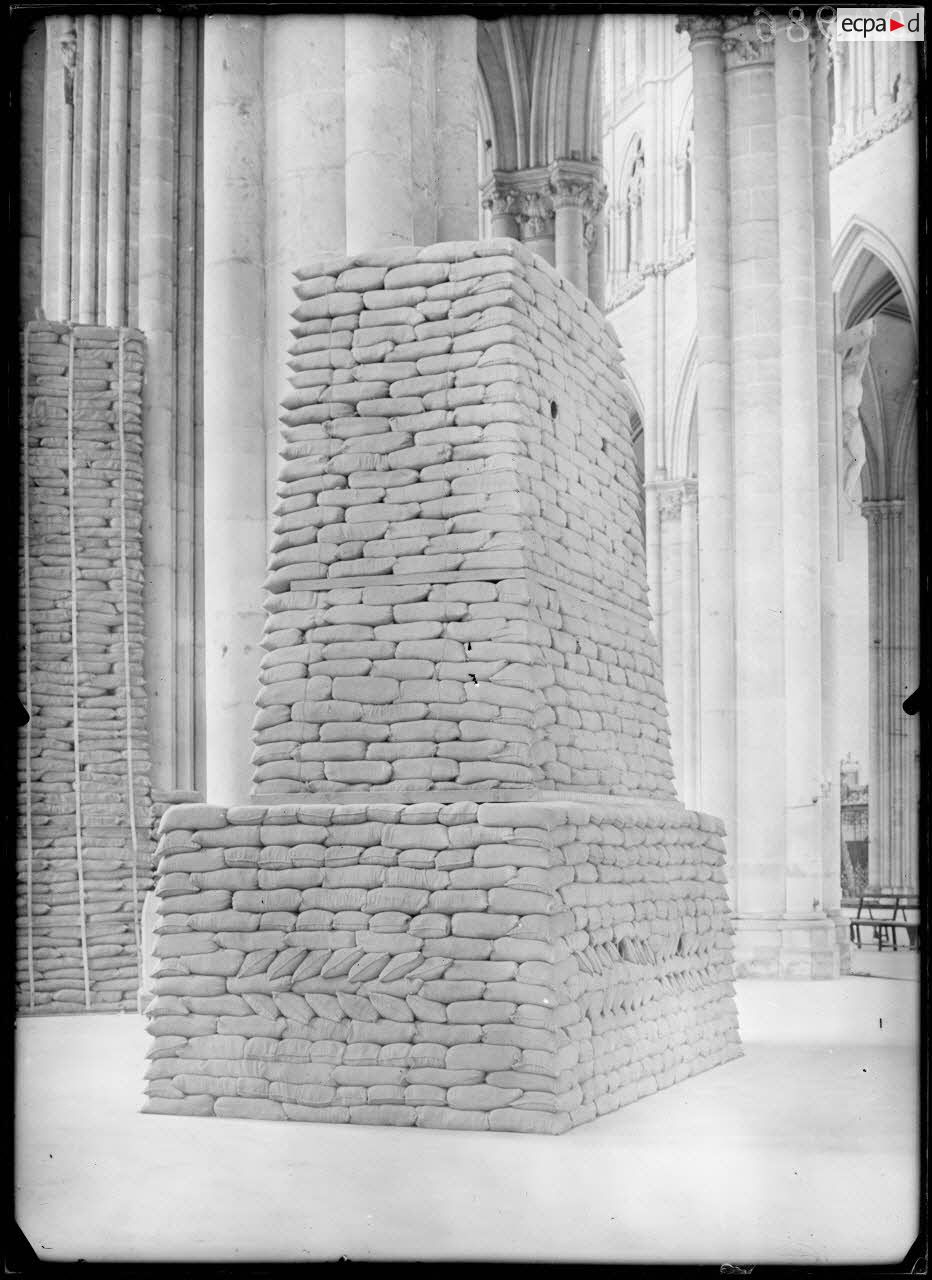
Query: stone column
(234, 405)
(799, 403)
(840, 59)
(57, 148)
(594, 240)
(31, 166)
(188, 364)
(156, 312)
(717, 768)
(760, 832)
(454, 130)
(85, 177)
(680, 213)
(828, 488)
(411, 171)
(114, 299)
(305, 159)
(636, 234)
(882, 78)
(892, 806)
(569, 247)
(624, 239)
(498, 198)
(851, 84)
(867, 83)
(689, 539)
(380, 205)
(577, 195)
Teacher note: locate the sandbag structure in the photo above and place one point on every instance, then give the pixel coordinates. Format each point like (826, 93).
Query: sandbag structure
(83, 819)
(463, 893)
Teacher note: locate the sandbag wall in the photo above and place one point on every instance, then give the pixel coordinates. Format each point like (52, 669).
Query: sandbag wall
(523, 966)
(457, 590)
(83, 823)
(412, 921)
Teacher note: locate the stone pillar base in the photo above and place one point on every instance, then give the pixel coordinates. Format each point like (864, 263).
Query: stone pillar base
(788, 947)
(461, 965)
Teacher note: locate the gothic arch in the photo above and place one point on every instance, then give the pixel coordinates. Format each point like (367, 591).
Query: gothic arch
(851, 256)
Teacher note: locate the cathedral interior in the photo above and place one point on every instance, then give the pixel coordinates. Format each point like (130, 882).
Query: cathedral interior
(469, 583)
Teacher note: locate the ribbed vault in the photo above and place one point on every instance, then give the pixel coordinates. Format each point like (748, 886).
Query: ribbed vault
(540, 79)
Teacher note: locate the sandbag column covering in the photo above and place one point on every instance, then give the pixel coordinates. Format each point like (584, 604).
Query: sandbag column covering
(456, 593)
(518, 966)
(502, 917)
(83, 849)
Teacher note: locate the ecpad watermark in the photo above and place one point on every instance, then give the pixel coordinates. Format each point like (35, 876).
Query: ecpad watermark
(845, 24)
(880, 24)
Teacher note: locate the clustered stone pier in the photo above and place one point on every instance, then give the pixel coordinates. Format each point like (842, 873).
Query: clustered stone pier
(463, 893)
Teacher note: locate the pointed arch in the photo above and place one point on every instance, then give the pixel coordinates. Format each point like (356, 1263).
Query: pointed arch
(859, 241)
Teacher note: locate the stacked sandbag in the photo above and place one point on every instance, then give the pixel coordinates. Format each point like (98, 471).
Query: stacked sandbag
(457, 637)
(69, 959)
(456, 592)
(519, 966)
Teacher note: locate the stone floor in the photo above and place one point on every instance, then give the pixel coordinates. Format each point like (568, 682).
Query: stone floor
(803, 1151)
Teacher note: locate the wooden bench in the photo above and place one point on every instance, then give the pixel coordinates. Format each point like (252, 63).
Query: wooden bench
(886, 914)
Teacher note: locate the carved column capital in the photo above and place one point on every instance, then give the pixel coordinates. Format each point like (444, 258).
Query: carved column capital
(668, 495)
(577, 184)
(525, 195)
(534, 211)
(699, 27)
(875, 510)
(497, 196)
(743, 45)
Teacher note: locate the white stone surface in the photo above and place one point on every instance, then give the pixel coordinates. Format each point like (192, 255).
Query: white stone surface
(803, 1151)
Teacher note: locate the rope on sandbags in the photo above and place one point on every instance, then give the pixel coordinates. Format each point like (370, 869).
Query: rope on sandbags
(79, 849)
(124, 570)
(27, 622)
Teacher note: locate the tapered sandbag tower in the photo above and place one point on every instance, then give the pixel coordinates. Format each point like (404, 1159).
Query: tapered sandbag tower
(463, 893)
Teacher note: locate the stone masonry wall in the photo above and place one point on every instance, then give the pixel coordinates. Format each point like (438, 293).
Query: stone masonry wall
(456, 595)
(80, 880)
(464, 894)
(508, 966)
